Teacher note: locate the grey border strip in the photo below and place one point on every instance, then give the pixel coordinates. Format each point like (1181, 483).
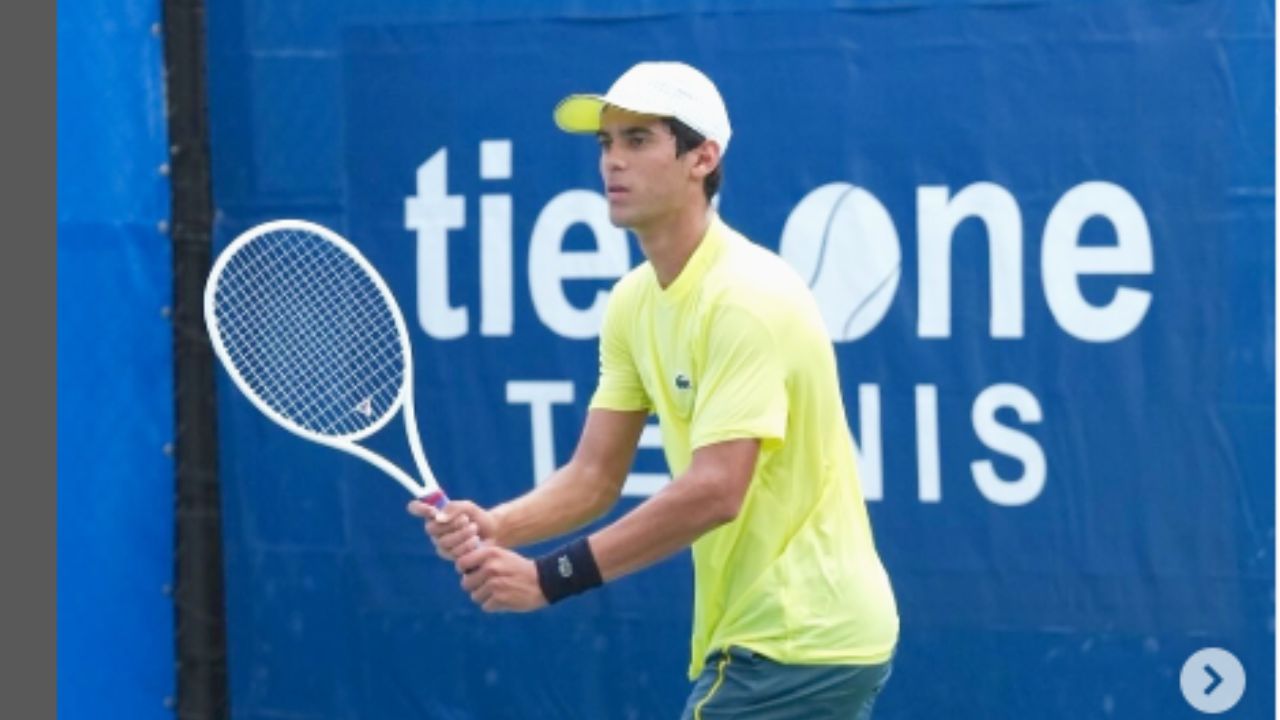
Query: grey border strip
(29, 536)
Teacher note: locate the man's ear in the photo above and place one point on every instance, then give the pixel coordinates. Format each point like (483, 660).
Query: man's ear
(706, 158)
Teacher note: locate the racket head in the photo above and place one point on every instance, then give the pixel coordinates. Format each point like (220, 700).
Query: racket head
(308, 331)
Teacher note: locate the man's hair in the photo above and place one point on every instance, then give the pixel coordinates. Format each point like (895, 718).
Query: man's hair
(687, 139)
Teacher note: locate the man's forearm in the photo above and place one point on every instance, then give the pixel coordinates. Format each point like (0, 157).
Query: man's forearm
(661, 526)
(564, 502)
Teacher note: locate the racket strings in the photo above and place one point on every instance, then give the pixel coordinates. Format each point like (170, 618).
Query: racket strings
(321, 329)
(310, 332)
(256, 348)
(361, 366)
(313, 327)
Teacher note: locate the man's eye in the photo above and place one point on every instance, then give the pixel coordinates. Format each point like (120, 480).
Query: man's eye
(635, 141)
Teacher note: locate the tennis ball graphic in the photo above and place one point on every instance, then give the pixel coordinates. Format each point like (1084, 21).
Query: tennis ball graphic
(842, 241)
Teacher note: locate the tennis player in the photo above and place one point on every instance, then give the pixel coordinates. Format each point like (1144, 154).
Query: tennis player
(793, 613)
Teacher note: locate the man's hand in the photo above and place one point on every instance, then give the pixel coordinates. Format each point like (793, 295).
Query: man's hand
(457, 529)
(500, 580)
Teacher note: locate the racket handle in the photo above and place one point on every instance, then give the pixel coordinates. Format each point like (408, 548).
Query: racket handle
(435, 499)
(438, 500)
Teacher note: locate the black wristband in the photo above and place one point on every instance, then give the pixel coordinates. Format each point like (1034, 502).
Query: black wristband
(568, 570)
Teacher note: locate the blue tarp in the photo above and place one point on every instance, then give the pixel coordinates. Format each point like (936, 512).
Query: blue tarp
(1042, 235)
(115, 387)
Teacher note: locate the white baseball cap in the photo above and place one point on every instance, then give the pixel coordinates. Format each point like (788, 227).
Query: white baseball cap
(664, 89)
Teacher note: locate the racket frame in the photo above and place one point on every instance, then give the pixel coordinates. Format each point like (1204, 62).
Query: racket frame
(428, 490)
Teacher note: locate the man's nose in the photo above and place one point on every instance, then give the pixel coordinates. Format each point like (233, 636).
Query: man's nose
(611, 159)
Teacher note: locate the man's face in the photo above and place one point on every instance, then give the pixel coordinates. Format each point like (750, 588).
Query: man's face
(644, 180)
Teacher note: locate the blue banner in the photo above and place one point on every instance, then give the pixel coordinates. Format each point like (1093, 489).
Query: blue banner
(1041, 235)
(115, 402)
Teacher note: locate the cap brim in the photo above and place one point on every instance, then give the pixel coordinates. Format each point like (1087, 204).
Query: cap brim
(579, 113)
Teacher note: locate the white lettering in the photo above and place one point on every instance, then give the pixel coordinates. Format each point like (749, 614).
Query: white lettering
(495, 265)
(495, 242)
(495, 159)
(928, 456)
(550, 265)
(1063, 260)
(938, 216)
(541, 395)
(870, 450)
(433, 213)
(839, 237)
(1007, 441)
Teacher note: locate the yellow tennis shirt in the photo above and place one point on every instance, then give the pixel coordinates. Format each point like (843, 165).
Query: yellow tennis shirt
(736, 348)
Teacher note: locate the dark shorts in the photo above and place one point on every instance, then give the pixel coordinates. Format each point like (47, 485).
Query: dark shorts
(738, 683)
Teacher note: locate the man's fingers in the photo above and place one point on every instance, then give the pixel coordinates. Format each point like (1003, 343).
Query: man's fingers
(451, 546)
(472, 559)
(481, 589)
(481, 594)
(421, 509)
(453, 554)
(458, 539)
(458, 511)
(471, 581)
(493, 595)
(440, 525)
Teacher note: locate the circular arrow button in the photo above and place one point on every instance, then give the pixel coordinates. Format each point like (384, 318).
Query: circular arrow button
(1212, 681)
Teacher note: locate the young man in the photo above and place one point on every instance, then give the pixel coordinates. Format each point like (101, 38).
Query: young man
(793, 613)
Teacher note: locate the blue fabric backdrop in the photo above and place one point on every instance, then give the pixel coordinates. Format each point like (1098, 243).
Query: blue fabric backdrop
(115, 380)
(1042, 233)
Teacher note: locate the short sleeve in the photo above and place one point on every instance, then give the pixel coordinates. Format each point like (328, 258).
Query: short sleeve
(619, 386)
(743, 389)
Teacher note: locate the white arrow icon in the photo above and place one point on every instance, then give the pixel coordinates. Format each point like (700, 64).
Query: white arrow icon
(1212, 681)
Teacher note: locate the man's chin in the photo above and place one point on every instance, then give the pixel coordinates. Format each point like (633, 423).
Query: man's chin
(619, 218)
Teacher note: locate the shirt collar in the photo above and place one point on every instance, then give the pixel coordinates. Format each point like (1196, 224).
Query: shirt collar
(696, 266)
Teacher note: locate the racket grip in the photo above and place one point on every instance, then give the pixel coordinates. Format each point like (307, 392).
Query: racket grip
(438, 500)
(435, 499)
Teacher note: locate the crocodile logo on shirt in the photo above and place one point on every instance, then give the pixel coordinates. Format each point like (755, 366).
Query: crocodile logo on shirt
(683, 382)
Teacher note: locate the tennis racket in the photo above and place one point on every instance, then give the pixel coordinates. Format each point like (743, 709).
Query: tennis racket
(311, 334)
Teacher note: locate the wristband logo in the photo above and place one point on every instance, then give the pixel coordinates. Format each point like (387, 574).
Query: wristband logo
(565, 567)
